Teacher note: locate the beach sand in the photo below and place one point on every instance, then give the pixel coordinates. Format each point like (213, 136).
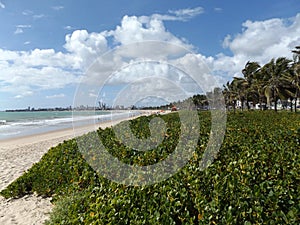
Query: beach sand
(18, 155)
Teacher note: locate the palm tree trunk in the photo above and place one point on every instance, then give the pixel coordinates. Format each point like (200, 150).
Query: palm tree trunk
(248, 106)
(260, 103)
(268, 102)
(296, 98)
(234, 106)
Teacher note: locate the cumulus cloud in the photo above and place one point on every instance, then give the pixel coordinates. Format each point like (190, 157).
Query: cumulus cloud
(85, 47)
(136, 29)
(27, 72)
(42, 69)
(142, 49)
(46, 57)
(155, 87)
(259, 41)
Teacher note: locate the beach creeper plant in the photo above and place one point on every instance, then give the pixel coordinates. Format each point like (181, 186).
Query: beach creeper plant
(254, 179)
(157, 74)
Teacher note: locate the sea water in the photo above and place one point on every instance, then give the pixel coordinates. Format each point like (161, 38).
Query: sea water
(17, 124)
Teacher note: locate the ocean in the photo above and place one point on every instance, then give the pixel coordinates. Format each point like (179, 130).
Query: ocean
(18, 124)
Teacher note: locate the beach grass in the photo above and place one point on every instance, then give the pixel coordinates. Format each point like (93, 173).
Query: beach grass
(255, 178)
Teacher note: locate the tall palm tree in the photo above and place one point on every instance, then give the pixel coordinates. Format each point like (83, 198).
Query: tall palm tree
(251, 68)
(276, 86)
(240, 86)
(296, 82)
(200, 100)
(231, 95)
(296, 73)
(250, 75)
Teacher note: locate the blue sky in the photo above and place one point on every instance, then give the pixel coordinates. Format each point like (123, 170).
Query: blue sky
(45, 46)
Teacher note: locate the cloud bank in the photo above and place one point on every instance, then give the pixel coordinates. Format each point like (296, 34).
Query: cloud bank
(46, 69)
(259, 41)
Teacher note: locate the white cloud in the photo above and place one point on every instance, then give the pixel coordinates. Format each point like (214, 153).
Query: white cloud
(19, 31)
(85, 47)
(26, 72)
(24, 94)
(174, 15)
(33, 15)
(92, 95)
(27, 42)
(58, 8)
(136, 29)
(138, 40)
(188, 13)
(27, 12)
(23, 26)
(55, 96)
(69, 28)
(38, 16)
(20, 28)
(46, 57)
(259, 41)
(155, 87)
(2, 6)
(45, 68)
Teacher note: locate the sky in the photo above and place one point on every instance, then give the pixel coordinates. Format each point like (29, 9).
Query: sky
(48, 49)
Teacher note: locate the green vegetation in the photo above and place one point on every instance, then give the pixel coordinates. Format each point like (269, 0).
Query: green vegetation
(279, 79)
(255, 178)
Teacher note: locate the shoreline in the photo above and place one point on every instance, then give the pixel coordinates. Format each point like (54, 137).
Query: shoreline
(64, 132)
(36, 125)
(18, 154)
(59, 133)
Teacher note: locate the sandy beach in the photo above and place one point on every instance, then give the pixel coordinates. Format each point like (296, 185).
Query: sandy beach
(19, 154)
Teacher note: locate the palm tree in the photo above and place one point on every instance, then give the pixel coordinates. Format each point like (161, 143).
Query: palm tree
(296, 73)
(230, 95)
(200, 101)
(276, 86)
(296, 82)
(240, 85)
(250, 76)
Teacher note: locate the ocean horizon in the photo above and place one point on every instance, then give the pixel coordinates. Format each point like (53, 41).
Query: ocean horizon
(20, 124)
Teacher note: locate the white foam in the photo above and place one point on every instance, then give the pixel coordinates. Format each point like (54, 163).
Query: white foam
(11, 129)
